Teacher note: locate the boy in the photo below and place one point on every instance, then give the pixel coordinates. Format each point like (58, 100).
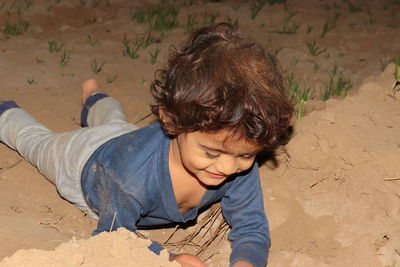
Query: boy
(219, 102)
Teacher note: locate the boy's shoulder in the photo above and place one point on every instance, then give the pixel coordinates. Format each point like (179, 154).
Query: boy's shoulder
(150, 136)
(135, 147)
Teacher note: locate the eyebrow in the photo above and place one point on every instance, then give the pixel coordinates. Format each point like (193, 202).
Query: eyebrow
(226, 152)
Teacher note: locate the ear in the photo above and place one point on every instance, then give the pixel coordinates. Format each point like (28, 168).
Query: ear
(166, 121)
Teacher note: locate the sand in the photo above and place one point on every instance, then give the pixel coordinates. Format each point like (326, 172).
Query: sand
(333, 196)
(119, 248)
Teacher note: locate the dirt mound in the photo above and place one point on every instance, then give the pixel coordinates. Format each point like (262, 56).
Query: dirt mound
(119, 248)
(335, 198)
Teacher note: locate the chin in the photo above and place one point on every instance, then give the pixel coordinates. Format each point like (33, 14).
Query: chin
(208, 181)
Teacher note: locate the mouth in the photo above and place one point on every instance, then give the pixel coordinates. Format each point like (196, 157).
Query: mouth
(216, 175)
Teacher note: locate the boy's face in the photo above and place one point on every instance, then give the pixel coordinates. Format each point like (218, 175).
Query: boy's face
(210, 158)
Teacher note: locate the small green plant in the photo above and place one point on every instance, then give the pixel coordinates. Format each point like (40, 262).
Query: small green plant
(298, 95)
(160, 19)
(352, 25)
(95, 3)
(288, 26)
(141, 41)
(130, 50)
(386, 61)
(111, 78)
(191, 23)
(82, 2)
(14, 29)
(209, 18)
(65, 57)
(90, 20)
(314, 49)
(396, 72)
(48, 8)
(140, 16)
(31, 81)
(17, 7)
(144, 40)
(309, 28)
(54, 46)
(352, 7)
(330, 24)
(96, 67)
(256, 6)
(273, 2)
(57, 2)
(395, 60)
(93, 42)
(371, 19)
(295, 61)
(337, 85)
(154, 55)
(291, 14)
(39, 61)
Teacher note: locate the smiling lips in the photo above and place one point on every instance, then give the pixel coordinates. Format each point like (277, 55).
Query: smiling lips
(216, 175)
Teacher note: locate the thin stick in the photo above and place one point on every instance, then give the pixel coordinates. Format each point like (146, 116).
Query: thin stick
(143, 118)
(113, 220)
(392, 178)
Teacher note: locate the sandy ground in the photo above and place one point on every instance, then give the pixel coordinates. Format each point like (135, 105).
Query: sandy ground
(333, 196)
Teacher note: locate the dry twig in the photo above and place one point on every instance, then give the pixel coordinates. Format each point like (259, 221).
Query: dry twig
(210, 228)
(391, 179)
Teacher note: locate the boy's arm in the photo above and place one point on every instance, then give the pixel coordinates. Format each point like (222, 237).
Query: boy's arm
(243, 209)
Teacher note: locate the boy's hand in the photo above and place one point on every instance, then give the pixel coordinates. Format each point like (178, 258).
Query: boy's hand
(242, 264)
(187, 260)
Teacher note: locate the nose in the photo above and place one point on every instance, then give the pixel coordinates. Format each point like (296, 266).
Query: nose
(227, 166)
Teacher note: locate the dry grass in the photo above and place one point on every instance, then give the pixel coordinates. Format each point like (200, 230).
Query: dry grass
(210, 229)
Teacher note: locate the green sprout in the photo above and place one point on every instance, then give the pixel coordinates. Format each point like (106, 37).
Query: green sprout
(314, 49)
(256, 7)
(54, 46)
(142, 41)
(96, 67)
(160, 19)
(111, 78)
(298, 95)
(31, 81)
(65, 58)
(209, 18)
(337, 85)
(93, 42)
(191, 23)
(14, 29)
(39, 61)
(396, 73)
(154, 55)
(288, 26)
(330, 24)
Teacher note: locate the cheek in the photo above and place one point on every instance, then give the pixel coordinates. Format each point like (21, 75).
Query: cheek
(195, 160)
(244, 165)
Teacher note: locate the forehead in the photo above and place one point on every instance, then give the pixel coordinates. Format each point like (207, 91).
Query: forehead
(224, 140)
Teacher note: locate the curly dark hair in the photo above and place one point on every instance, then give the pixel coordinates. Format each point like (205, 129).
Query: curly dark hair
(220, 80)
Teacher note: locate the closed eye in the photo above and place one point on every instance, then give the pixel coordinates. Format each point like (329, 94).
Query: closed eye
(248, 157)
(211, 155)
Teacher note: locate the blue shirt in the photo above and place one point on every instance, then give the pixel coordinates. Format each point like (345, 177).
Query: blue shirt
(127, 183)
